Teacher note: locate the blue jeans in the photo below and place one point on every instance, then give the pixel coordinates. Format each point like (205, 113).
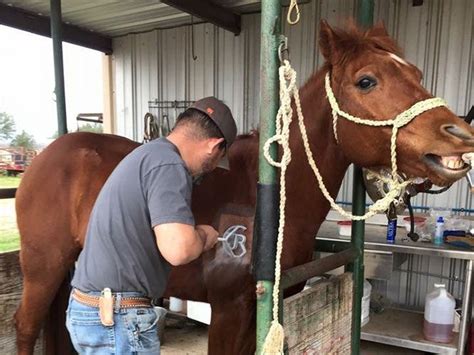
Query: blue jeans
(135, 330)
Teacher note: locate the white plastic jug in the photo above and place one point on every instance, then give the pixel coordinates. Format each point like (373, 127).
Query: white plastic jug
(439, 315)
(365, 315)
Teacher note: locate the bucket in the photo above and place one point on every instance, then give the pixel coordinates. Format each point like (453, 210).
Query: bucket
(345, 228)
(176, 304)
(366, 303)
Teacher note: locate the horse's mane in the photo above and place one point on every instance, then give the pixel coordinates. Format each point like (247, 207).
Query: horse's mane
(352, 40)
(244, 143)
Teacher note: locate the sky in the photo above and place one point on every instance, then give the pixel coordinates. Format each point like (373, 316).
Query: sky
(27, 82)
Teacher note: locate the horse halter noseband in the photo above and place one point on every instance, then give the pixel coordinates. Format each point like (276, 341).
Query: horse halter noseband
(399, 121)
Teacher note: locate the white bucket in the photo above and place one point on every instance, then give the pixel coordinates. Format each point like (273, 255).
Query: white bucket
(366, 303)
(176, 304)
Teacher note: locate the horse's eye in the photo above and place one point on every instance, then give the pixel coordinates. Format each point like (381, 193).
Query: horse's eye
(366, 82)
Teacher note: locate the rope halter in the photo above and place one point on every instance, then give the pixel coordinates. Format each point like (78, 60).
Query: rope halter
(399, 121)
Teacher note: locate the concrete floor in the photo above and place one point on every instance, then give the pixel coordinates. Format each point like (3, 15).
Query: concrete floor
(185, 337)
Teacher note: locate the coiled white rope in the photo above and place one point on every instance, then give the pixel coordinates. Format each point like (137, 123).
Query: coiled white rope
(274, 341)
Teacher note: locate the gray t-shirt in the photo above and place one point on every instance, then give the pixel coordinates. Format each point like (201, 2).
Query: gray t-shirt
(150, 186)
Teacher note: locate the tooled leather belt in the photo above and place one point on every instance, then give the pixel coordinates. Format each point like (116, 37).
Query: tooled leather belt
(125, 302)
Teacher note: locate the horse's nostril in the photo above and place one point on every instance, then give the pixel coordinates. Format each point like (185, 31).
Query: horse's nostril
(457, 131)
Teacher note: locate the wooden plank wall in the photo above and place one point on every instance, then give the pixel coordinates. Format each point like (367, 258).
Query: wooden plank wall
(318, 319)
(10, 293)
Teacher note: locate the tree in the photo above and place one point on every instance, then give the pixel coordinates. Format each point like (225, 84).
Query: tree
(7, 126)
(88, 127)
(24, 140)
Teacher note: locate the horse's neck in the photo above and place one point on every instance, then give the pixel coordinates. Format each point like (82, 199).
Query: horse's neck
(307, 207)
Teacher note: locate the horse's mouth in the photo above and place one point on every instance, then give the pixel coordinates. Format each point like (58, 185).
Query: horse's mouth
(450, 167)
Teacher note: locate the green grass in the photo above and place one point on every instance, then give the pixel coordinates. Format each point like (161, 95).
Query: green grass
(9, 237)
(9, 181)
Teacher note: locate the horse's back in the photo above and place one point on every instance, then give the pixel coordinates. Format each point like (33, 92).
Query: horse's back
(66, 178)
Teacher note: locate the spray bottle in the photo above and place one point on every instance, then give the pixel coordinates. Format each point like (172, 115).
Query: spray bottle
(438, 238)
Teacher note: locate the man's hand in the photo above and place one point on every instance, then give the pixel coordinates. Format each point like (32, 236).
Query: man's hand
(208, 236)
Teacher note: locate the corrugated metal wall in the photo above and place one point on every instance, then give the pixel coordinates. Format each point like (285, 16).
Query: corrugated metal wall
(437, 37)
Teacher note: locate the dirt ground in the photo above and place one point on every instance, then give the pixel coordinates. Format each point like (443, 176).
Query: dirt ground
(184, 337)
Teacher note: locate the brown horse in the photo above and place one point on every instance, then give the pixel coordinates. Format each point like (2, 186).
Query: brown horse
(369, 80)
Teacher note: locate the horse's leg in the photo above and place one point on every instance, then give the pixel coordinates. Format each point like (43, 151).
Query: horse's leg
(58, 341)
(232, 329)
(43, 268)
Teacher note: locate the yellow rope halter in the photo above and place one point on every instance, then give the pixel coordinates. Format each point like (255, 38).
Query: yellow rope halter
(399, 121)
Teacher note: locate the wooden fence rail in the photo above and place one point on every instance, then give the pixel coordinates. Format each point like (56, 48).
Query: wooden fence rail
(10, 293)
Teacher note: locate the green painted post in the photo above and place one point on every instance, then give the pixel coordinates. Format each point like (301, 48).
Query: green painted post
(269, 85)
(365, 18)
(267, 197)
(365, 13)
(56, 36)
(357, 267)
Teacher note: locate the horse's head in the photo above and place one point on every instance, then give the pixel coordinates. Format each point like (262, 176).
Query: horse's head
(371, 80)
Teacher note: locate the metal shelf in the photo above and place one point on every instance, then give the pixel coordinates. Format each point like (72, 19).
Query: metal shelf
(404, 329)
(375, 240)
(407, 323)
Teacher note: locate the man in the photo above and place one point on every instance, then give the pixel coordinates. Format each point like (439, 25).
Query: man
(140, 225)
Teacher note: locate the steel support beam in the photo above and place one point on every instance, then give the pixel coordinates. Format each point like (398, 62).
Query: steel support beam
(59, 91)
(357, 267)
(28, 21)
(204, 9)
(266, 228)
(365, 19)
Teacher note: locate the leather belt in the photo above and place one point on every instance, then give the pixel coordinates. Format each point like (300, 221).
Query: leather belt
(125, 302)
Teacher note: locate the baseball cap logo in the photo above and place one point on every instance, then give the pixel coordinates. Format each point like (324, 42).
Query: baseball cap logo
(209, 110)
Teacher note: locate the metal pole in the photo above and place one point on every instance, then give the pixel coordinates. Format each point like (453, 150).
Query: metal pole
(299, 274)
(266, 226)
(365, 18)
(365, 13)
(357, 267)
(466, 308)
(56, 35)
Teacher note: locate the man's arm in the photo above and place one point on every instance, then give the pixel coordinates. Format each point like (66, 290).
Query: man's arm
(182, 243)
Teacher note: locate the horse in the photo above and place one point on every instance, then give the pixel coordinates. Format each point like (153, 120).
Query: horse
(369, 78)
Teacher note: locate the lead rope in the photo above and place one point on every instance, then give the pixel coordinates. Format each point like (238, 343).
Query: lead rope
(275, 338)
(274, 341)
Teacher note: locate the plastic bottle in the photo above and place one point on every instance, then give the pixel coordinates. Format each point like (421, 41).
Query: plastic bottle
(439, 315)
(438, 238)
(392, 224)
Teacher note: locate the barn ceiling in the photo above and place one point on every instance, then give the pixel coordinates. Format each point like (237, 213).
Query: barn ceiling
(115, 18)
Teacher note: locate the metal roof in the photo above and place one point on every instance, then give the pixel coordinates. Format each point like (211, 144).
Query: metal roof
(116, 18)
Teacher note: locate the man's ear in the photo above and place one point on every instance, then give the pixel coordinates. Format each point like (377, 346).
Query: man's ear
(214, 144)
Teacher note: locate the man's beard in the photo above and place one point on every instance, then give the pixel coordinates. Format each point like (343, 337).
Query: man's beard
(207, 167)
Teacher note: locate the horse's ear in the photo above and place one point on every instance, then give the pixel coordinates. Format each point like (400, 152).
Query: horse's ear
(327, 42)
(378, 30)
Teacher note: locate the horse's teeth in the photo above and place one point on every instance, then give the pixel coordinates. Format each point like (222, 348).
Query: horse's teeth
(452, 162)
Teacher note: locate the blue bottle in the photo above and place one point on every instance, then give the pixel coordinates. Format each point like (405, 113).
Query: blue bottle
(392, 224)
